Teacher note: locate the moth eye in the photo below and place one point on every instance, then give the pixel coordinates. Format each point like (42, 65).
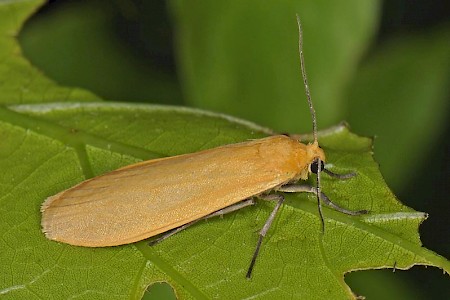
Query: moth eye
(314, 167)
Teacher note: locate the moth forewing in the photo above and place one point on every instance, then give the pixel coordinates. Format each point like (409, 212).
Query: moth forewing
(145, 199)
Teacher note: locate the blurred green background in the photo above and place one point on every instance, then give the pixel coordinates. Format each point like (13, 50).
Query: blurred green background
(382, 66)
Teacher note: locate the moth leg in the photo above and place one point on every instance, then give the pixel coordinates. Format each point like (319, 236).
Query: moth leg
(263, 232)
(304, 188)
(221, 212)
(339, 176)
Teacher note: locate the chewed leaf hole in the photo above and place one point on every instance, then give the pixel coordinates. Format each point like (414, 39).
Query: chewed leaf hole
(159, 291)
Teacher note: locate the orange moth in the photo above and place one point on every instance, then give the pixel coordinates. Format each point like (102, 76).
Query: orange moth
(168, 194)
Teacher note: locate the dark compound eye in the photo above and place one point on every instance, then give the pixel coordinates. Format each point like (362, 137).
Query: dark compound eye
(315, 166)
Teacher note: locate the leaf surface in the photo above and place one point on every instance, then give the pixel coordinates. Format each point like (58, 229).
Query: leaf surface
(52, 147)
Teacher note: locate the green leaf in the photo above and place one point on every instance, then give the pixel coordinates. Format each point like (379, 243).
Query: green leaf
(47, 146)
(51, 147)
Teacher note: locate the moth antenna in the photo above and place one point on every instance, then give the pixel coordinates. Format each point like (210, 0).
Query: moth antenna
(313, 116)
(305, 79)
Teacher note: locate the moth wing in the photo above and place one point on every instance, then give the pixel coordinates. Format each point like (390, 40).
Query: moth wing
(151, 197)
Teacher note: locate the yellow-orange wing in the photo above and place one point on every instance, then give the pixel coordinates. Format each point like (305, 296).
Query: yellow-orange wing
(151, 197)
